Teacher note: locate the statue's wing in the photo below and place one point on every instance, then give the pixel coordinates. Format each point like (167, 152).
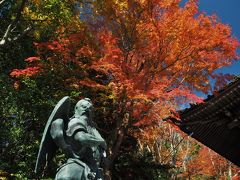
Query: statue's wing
(47, 147)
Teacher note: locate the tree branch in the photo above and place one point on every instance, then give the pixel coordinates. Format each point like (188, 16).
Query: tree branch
(24, 32)
(5, 39)
(6, 34)
(1, 2)
(19, 12)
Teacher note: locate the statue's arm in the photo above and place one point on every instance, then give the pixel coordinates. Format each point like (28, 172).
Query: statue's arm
(87, 139)
(57, 134)
(97, 134)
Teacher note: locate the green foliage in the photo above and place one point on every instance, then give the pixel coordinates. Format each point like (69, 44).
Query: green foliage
(48, 16)
(26, 104)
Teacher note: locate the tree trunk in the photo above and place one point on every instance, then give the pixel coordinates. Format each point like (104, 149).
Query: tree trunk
(229, 170)
(185, 157)
(112, 155)
(107, 170)
(113, 150)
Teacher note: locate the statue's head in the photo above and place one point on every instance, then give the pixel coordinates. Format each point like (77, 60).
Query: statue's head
(84, 107)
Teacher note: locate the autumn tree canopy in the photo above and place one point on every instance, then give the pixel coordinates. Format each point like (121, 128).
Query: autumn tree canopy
(138, 60)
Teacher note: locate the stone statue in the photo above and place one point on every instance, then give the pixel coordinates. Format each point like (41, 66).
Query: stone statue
(79, 140)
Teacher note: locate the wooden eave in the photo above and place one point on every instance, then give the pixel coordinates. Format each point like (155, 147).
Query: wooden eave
(216, 122)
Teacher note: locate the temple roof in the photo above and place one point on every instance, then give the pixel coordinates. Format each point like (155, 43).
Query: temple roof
(216, 122)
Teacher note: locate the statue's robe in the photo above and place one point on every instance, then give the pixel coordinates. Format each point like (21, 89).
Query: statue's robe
(83, 163)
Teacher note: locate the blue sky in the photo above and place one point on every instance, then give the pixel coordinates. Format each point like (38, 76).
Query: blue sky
(228, 13)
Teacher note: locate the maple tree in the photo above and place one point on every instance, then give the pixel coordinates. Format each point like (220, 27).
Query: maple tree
(139, 60)
(209, 164)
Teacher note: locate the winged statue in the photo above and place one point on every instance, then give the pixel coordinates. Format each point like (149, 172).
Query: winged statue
(77, 137)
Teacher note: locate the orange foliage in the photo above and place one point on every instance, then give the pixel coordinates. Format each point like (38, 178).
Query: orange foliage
(29, 71)
(32, 59)
(161, 52)
(209, 163)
